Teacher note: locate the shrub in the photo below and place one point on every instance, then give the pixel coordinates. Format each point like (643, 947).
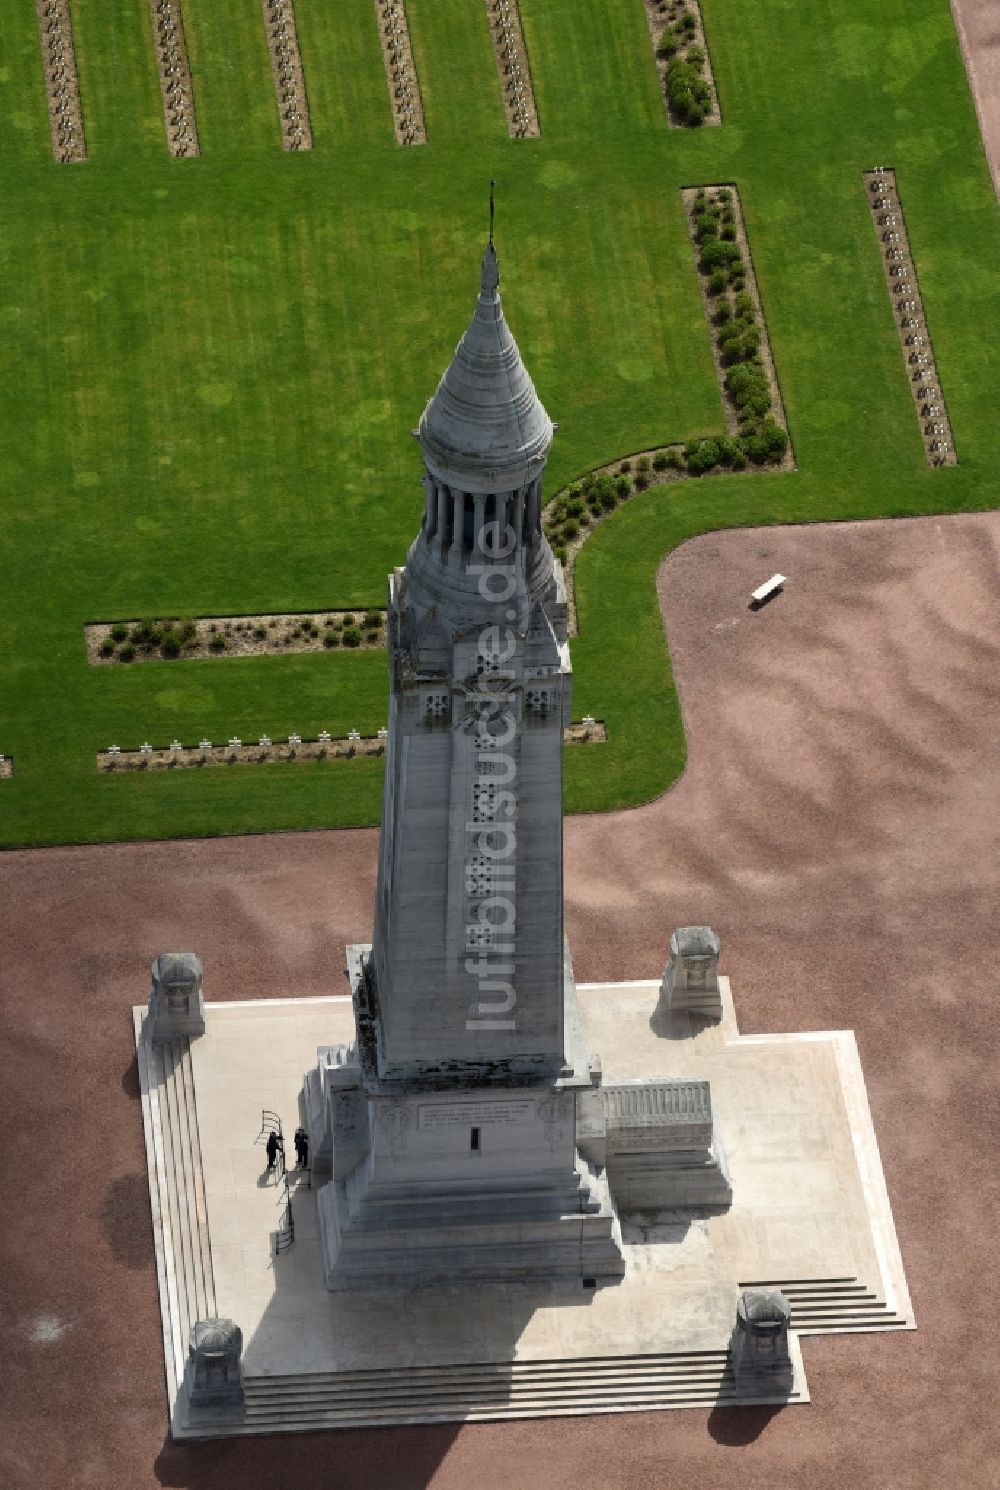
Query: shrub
(706, 226)
(575, 490)
(570, 529)
(714, 255)
(643, 465)
(660, 461)
(696, 114)
(119, 631)
(730, 451)
(127, 653)
(728, 234)
(331, 639)
(348, 620)
(170, 644)
(187, 630)
(744, 305)
(144, 634)
(574, 508)
(668, 44)
(686, 22)
(260, 632)
(107, 647)
(218, 642)
(674, 460)
(717, 281)
(775, 437)
(701, 456)
(560, 554)
(724, 313)
(738, 460)
(589, 482)
(696, 57)
(724, 194)
(625, 467)
(352, 636)
(623, 485)
(373, 620)
(642, 480)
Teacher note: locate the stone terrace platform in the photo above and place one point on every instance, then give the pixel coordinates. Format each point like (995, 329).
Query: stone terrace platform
(810, 1214)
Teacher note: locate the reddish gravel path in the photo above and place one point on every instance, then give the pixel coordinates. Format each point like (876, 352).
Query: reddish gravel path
(839, 825)
(978, 25)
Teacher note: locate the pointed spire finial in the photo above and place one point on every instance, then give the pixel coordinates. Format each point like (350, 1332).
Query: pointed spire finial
(490, 277)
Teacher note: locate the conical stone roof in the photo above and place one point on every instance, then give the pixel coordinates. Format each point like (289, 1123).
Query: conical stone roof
(485, 428)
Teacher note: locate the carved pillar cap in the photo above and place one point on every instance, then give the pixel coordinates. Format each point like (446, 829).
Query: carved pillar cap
(763, 1314)
(176, 1005)
(181, 969)
(214, 1340)
(695, 941)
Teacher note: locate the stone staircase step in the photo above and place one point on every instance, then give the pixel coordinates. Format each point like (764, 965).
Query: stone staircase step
(180, 1188)
(511, 1392)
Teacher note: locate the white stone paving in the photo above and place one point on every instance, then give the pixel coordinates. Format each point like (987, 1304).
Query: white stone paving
(809, 1199)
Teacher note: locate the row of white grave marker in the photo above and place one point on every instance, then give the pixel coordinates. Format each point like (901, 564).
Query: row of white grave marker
(235, 744)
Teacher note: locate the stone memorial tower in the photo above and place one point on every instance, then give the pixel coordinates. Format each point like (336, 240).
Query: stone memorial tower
(448, 1128)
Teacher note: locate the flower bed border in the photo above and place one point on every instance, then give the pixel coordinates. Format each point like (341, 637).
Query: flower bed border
(55, 36)
(648, 476)
(908, 314)
(400, 72)
(246, 645)
(174, 71)
(658, 23)
(511, 56)
(286, 70)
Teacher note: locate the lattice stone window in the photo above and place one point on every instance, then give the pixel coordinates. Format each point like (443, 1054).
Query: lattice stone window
(479, 877)
(488, 664)
(537, 700)
(478, 935)
(436, 705)
(484, 802)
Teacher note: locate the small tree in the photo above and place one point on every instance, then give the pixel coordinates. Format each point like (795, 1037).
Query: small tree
(717, 281)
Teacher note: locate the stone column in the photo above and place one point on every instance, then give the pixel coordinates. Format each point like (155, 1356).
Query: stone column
(176, 1003)
(441, 522)
(691, 977)
(762, 1365)
(454, 554)
(213, 1378)
(478, 519)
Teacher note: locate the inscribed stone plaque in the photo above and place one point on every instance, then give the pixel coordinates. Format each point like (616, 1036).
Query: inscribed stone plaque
(473, 1114)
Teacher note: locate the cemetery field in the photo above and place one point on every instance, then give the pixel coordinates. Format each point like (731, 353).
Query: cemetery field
(210, 367)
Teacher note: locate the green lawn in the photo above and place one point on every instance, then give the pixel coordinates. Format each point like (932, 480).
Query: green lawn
(210, 368)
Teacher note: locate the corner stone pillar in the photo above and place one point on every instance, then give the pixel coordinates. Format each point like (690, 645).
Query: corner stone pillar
(214, 1375)
(762, 1365)
(176, 1003)
(691, 978)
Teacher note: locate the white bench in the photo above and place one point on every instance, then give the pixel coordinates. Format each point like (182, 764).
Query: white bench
(764, 592)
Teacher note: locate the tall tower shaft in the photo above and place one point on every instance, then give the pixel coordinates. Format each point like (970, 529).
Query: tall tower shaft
(467, 972)
(448, 1129)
